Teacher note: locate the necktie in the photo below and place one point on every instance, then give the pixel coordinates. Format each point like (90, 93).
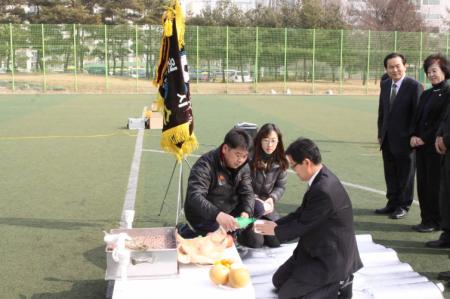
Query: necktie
(393, 95)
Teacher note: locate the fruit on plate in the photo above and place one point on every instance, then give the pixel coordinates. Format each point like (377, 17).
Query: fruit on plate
(219, 274)
(238, 277)
(225, 262)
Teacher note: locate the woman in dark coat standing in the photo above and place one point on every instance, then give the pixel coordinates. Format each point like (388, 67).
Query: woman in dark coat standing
(430, 112)
(269, 175)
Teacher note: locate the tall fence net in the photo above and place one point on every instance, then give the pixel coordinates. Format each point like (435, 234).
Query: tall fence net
(37, 58)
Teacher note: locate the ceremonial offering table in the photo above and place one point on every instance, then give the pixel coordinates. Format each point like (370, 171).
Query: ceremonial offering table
(192, 282)
(383, 276)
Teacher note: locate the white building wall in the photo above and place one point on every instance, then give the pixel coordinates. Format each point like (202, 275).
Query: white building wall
(435, 13)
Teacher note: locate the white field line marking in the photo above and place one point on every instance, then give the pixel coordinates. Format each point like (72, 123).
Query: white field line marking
(351, 185)
(130, 195)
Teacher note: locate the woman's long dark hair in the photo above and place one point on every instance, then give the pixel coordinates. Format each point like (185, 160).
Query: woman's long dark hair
(277, 156)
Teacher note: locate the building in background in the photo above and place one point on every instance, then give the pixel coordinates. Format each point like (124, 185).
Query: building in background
(435, 13)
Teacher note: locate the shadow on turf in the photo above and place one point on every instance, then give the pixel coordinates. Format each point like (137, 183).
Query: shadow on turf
(96, 256)
(381, 227)
(364, 144)
(47, 223)
(364, 212)
(85, 289)
(415, 247)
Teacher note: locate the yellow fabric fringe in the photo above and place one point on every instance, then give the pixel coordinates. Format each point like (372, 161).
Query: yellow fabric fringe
(170, 137)
(159, 102)
(174, 12)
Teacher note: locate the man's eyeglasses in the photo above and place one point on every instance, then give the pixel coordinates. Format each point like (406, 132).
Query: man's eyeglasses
(294, 165)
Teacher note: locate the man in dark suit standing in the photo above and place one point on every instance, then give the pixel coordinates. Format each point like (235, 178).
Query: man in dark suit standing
(398, 101)
(326, 256)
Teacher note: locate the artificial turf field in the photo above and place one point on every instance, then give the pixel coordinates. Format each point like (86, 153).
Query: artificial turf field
(65, 163)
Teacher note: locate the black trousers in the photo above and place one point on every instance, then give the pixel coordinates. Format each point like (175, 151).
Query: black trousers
(428, 182)
(249, 238)
(399, 169)
(289, 288)
(444, 196)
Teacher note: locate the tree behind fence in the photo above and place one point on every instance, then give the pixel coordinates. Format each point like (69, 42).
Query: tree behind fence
(122, 59)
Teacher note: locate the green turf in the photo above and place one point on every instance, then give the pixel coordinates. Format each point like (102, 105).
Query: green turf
(66, 161)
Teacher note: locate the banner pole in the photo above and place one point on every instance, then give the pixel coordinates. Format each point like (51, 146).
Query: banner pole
(179, 200)
(167, 188)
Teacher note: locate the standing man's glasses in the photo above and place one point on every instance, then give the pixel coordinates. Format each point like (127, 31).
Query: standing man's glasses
(294, 165)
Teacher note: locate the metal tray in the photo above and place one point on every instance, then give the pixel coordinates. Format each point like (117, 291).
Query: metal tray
(154, 254)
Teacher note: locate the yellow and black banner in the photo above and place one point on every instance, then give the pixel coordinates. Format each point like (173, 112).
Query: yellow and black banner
(172, 79)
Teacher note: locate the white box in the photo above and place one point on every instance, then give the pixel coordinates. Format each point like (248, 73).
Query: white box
(136, 123)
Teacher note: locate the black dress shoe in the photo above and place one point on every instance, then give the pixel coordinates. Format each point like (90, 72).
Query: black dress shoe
(399, 213)
(424, 228)
(438, 244)
(444, 275)
(385, 211)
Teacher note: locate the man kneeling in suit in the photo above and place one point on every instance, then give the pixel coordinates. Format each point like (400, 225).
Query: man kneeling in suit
(326, 256)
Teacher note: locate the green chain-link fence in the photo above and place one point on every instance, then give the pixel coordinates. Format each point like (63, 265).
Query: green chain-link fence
(122, 59)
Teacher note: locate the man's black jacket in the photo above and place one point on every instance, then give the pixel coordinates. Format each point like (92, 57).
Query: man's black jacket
(212, 188)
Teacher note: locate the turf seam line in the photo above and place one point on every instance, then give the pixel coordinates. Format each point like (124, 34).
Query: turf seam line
(64, 136)
(163, 152)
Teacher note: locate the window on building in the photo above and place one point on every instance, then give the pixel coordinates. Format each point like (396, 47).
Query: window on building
(432, 16)
(431, 2)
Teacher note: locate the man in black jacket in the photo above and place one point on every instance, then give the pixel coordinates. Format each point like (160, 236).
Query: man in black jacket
(399, 96)
(219, 186)
(326, 256)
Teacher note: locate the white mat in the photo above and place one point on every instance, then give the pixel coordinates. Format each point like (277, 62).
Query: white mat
(382, 277)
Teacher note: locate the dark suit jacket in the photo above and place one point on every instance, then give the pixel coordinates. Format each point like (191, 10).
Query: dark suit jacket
(430, 113)
(327, 251)
(398, 123)
(444, 132)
